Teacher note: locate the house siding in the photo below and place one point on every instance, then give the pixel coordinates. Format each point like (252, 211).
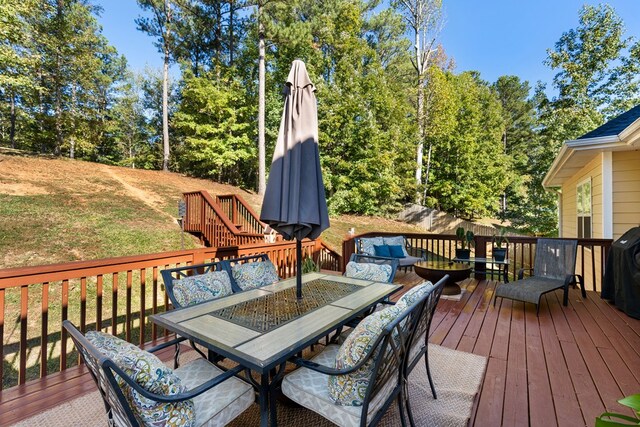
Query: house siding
(569, 229)
(592, 170)
(626, 191)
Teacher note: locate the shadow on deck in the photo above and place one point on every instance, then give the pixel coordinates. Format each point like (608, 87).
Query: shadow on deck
(564, 367)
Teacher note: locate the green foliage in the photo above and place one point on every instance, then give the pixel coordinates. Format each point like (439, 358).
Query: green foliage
(213, 124)
(469, 171)
(611, 419)
(466, 238)
(309, 266)
(500, 238)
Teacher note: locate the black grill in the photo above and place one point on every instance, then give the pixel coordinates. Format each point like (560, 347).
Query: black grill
(621, 283)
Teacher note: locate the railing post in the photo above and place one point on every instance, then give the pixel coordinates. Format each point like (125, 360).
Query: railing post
(234, 209)
(348, 247)
(480, 268)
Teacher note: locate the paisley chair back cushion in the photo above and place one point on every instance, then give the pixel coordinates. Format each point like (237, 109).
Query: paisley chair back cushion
(251, 275)
(414, 294)
(367, 245)
(152, 375)
(350, 389)
(369, 271)
(202, 287)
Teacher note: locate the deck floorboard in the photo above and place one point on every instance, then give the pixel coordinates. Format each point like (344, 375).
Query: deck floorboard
(563, 367)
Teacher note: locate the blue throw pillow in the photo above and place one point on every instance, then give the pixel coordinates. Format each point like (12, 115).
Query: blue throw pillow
(382, 250)
(396, 251)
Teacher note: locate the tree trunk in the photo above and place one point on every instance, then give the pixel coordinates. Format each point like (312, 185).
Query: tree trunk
(420, 100)
(262, 181)
(58, 90)
(232, 12)
(72, 138)
(12, 126)
(218, 44)
(165, 94)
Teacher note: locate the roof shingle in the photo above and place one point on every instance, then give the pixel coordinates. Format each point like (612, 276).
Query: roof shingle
(614, 126)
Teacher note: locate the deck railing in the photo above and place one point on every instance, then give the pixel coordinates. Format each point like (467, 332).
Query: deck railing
(213, 222)
(592, 253)
(115, 294)
(240, 213)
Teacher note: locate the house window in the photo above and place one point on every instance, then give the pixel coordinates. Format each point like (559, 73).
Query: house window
(583, 200)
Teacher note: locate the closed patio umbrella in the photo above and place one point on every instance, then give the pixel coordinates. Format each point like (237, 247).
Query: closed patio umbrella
(294, 201)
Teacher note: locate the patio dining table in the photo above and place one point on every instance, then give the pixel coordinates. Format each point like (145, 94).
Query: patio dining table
(261, 328)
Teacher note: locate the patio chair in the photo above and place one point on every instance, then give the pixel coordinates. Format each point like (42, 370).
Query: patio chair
(553, 268)
(355, 383)
(419, 343)
(370, 267)
(195, 284)
(138, 389)
(252, 271)
(367, 267)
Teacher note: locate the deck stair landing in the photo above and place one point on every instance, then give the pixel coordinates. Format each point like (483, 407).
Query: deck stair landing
(222, 221)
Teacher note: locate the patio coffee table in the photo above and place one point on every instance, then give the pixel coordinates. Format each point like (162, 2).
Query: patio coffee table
(435, 270)
(261, 328)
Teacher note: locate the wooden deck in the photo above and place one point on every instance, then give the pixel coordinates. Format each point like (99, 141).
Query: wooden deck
(563, 368)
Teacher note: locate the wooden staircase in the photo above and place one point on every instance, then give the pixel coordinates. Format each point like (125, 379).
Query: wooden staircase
(222, 221)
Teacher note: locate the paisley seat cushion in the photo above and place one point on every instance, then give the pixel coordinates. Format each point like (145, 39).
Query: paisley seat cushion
(152, 375)
(369, 271)
(202, 287)
(350, 389)
(251, 275)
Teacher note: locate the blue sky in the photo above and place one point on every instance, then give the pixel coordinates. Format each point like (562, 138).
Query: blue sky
(495, 37)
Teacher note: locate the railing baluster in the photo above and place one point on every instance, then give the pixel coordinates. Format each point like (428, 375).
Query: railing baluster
(63, 339)
(99, 302)
(83, 305)
(44, 331)
(143, 290)
(114, 304)
(582, 260)
(24, 305)
(127, 325)
(154, 328)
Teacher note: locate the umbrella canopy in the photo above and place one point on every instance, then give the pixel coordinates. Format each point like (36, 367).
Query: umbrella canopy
(294, 201)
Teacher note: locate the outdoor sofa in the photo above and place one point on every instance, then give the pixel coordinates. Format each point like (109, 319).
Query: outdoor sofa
(406, 254)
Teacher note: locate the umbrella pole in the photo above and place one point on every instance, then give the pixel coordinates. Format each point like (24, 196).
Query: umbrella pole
(298, 269)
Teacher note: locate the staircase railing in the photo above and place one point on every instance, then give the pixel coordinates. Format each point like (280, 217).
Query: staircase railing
(240, 213)
(208, 219)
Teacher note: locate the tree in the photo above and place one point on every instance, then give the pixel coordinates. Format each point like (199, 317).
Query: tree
(518, 113)
(214, 125)
(470, 170)
(152, 88)
(597, 70)
(160, 26)
(16, 59)
(424, 18)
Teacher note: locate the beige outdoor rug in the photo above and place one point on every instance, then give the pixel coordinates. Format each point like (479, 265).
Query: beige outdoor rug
(457, 376)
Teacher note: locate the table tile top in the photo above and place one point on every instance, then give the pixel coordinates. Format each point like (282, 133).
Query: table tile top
(271, 311)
